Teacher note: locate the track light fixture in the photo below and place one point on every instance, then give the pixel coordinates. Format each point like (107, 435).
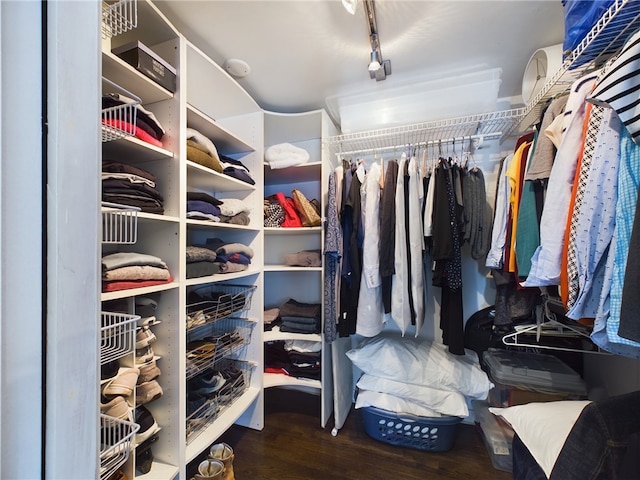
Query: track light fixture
(378, 68)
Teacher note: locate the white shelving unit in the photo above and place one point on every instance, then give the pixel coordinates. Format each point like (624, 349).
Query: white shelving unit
(210, 101)
(304, 130)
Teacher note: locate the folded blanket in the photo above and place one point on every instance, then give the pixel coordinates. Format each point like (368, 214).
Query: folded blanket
(234, 258)
(201, 140)
(201, 269)
(203, 197)
(125, 259)
(233, 248)
(202, 158)
(293, 308)
(136, 272)
(128, 284)
(203, 207)
(199, 254)
(285, 155)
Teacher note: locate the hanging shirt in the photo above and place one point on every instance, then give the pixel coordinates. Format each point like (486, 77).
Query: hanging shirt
(514, 174)
(400, 305)
(546, 261)
(333, 255)
(416, 242)
(495, 257)
(370, 311)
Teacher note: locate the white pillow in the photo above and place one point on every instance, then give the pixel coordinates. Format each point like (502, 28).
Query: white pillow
(421, 362)
(386, 401)
(543, 427)
(442, 401)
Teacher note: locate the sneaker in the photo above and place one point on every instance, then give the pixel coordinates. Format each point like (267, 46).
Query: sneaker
(144, 355)
(148, 371)
(144, 456)
(147, 392)
(123, 383)
(116, 407)
(144, 337)
(109, 369)
(148, 425)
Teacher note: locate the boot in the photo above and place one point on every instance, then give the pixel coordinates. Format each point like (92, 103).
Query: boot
(224, 453)
(210, 469)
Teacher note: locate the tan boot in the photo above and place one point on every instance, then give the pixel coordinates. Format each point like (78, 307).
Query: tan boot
(210, 469)
(224, 453)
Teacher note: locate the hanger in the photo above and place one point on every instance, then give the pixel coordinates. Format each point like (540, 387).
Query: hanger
(547, 324)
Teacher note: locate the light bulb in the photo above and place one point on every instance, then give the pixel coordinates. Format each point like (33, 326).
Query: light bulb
(350, 6)
(374, 65)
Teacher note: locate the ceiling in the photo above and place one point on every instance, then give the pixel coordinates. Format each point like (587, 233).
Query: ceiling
(301, 52)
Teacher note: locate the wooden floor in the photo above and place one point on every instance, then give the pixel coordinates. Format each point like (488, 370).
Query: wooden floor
(293, 446)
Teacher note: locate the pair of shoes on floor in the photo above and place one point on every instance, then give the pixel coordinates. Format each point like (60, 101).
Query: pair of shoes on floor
(148, 371)
(224, 453)
(123, 383)
(147, 392)
(210, 469)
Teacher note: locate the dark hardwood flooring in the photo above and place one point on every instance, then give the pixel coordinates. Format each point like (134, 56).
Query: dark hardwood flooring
(293, 446)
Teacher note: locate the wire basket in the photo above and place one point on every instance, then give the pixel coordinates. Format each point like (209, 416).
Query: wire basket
(115, 443)
(117, 335)
(212, 342)
(119, 17)
(119, 223)
(119, 121)
(434, 434)
(237, 375)
(215, 302)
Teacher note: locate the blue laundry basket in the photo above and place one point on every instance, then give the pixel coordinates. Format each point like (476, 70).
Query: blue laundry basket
(433, 434)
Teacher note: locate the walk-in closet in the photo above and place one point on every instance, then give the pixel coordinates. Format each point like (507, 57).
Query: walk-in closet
(333, 239)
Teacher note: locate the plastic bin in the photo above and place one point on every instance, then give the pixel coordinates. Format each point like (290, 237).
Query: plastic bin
(497, 436)
(434, 434)
(523, 377)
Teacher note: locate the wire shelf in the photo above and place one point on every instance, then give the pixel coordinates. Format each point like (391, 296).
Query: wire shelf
(119, 17)
(210, 343)
(237, 375)
(117, 335)
(115, 443)
(119, 121)
(119, 223)
(216, 302)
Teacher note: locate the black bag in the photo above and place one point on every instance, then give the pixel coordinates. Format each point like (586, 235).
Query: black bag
(479, 334)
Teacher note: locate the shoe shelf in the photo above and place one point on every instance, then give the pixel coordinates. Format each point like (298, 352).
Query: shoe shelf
(210, 344)
(281, 380)
(221, 277)
(133, 292)
(117, 335)
(134, 148)
(237, 375)
(116, 437)
(119, 223)
(218, 302)
(118, 121)
(119, 17)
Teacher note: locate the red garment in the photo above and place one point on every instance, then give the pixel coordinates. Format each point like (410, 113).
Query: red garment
(127, 284)
(291, 218)
(127, 127)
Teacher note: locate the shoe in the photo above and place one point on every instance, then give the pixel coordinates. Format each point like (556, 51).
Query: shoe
(119, 475)
(116, 407)
(146, 307)
(109, 369)
(144, 355)
(148, 371)
(144, 456)
(210, 469)
(224, 453)
(148, 425)
(144, 337)
(147, 392)
(123, 383)
(205, 384)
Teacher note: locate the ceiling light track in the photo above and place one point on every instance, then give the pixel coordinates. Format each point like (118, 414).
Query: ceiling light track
(378, 68)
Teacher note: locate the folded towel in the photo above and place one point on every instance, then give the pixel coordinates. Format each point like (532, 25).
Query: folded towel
(285, 155)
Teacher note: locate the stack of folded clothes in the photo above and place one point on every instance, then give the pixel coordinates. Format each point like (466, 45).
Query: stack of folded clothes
(147, 126)
(201, 150)
(288, 358)
(305, 258)
(202, 206)
(297, 317)
(231, 257)
(234, 210)
(125, 270)
(236, 169)
(271, 318)
(129, 185)
(201, 262)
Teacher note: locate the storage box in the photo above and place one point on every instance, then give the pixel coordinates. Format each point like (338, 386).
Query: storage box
(497, 436)
(148, 62)
(522, 377)
(435, 434)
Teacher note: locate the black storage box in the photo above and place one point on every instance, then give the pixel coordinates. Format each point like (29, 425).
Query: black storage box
(148, 62)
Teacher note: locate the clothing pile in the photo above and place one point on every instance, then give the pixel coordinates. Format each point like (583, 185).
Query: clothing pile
(291, 212)
(202, 206)
(128, 185)
(201, 150)
(125, 270)
(296, 358)
(271, 318)
(304, 258)
(230, 256)
(298, 317)
(201, 262)
(147, 127)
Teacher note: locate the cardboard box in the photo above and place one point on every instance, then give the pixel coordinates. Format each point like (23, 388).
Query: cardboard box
(148, 62)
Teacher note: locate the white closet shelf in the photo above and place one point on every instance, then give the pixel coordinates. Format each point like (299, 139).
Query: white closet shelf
(221, 277)
(224, 140)
(134, 292)
(135, 149)
(205, 179)
(223, 421)
(120, 72)
(145, 216)
(291, 231)
(159, 470)
(305, 172)
(288, 268)
(229, 226)
(280, 380)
